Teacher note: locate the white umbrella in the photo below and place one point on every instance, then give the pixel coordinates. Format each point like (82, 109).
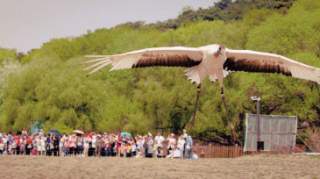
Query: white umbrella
(78, 132)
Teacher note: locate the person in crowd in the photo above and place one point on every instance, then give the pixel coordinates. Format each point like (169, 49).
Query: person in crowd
(98, 145)
(128, 150)
(180, 147)
(72, 144)
(10, 143)
(123, 148)
(41, 133)
(133, 144)
(13, 147)
(114, 143)
(56, 142)
(188, 147)
(64, 145)
(176, 151)
(172, 142)
(140, 148)
(5, 142)
(149, 146)
(28, 142)
(1, 146)
(43, 139)
(86, 145)
(118, 140)
(49, 145)
(23, 143)
(105, 145)
(80, 143)
(92, 150)
(16, 139)
(184, 135)
(29, 145)
(37, 142)
(34, 150)
(159, 139)
(24, 132)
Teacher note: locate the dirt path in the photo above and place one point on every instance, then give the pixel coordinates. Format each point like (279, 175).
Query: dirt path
(259, 166)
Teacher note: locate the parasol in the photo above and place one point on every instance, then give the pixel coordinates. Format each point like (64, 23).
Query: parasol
(126, 135)
(54, 132)
(78, 132)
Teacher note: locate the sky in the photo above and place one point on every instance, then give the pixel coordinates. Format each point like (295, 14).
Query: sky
(26, 24)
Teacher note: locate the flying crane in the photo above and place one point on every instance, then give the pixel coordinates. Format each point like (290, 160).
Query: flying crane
(212, 61)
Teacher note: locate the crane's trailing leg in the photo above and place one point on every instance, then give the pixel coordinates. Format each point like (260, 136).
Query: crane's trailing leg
(222, 92)
(222, 96)
(220, 76)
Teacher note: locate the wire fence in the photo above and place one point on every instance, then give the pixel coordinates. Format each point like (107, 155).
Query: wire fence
(218, 151)
(223, 151)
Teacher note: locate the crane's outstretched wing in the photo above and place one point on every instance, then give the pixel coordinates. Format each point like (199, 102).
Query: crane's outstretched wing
(252, 61)
(164, 56)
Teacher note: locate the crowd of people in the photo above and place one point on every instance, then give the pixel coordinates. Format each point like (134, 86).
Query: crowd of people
(122, 144)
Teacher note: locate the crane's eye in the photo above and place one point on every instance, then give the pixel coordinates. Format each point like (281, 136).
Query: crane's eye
(221, 47)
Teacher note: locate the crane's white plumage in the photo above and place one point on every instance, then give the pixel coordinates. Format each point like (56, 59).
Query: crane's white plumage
(213, 61)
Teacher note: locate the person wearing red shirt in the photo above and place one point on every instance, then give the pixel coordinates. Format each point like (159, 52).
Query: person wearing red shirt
(29, 145)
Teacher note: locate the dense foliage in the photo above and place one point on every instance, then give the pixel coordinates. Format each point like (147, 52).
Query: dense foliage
(224, 10)
(52, 88)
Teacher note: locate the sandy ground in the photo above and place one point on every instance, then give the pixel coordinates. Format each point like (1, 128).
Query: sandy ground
(246, 167)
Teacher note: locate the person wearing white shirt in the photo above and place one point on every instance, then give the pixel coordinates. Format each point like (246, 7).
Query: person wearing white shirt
(171, 143)
(43, 145)
(180, 145)
(140, 149)
(1, 146)
(159, 139)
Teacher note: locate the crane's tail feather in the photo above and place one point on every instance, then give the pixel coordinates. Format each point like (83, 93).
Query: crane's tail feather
(193, 76)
